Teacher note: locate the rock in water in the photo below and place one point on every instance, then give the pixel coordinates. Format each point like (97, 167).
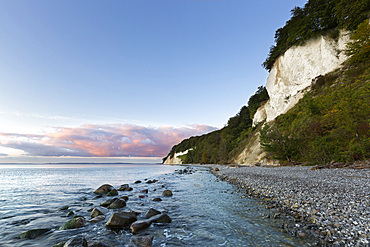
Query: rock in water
(167, 193)
(151, 212)
(141, 241)
(107, 202)
(160, 218)
(118, 203)
(97, 219)
(124, 187)
(96, 212)
(139, 225)
(121, 220)
(157, 199)
(104, 189)
(76, 222)
(113, 192)
(76, 242)
(100, 244)
(31, 234)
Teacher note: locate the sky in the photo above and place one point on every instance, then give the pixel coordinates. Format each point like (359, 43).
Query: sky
(126, 80)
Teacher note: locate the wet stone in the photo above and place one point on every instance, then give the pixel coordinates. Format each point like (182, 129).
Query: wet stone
(141, 241)
(137, 226)
(96, 212)
(76, 222)
(31, 234)
(167, 193)
(118, 203)
(76, 242)
(151, 212)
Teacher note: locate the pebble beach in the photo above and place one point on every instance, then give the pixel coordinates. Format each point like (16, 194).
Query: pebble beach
(330, 205)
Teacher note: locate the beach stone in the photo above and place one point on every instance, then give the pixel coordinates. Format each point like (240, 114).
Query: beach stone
(123, 187)
(139, 225)
(96, 212)
(124, 198)
(120, 220)
(145, 191)
(137, 181)
(118, 203)
(167, 193)
(151, 212)
(99, 244)
(157, 199)
(113, 192)
(104, 189)
(70, 213)
(152, 181)
(76, 222)
(141, 241)
(129, 189)
(31, 234)
(107, 202)
(60, 244)
(160, 218)
(64, 208)
(97, 219)
(76, 242)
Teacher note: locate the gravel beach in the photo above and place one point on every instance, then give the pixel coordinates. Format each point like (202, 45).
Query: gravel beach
(331, 205)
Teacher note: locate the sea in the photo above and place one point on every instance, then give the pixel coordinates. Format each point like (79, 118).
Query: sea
(204, 210)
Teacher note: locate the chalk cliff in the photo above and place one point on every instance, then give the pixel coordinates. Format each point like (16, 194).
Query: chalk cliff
(294, 72)
(291, 76)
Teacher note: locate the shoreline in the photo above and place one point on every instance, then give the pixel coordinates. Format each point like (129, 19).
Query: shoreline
(331, 206)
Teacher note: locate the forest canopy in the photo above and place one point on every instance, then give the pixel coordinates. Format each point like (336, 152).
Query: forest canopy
(314, 19)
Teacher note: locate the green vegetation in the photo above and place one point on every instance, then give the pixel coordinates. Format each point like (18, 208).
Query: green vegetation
(217, 147)
(332, 122)
(315, 18)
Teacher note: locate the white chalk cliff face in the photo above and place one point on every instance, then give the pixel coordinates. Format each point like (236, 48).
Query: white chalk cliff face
(175, 159)
(294, 71)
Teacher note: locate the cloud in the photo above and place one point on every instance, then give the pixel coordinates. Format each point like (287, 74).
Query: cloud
(116, 140)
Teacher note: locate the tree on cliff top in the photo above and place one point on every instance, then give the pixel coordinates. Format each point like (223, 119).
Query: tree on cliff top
(316, 17)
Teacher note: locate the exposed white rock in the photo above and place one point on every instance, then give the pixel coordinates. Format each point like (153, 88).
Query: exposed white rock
(175, 159)
(293, 73)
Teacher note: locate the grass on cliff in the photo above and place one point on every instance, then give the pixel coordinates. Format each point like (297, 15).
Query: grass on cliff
(332, 122)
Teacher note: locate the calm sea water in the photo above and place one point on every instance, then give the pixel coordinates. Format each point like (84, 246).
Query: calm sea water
(205, 212)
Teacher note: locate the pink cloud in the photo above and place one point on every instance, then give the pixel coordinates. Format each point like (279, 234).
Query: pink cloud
(118, 140)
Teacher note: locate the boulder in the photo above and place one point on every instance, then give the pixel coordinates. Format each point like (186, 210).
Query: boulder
(139, 225)
(104, 189)
(124, 198)
(152, 181)
(151, 212)
(70, 213)
(100, 244)
(76, 242)
(157, 199)
(113, 192)
(96, 212)
(141, 241)
(167, 193)
(60, 244)
(145, 191)
(97, 219)
(160, 218)
(118, 203)
(123, 187)
(121, 220)
(63, 208)
(137, 181)
(107, 202)
(76, 222)
(31, 234)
